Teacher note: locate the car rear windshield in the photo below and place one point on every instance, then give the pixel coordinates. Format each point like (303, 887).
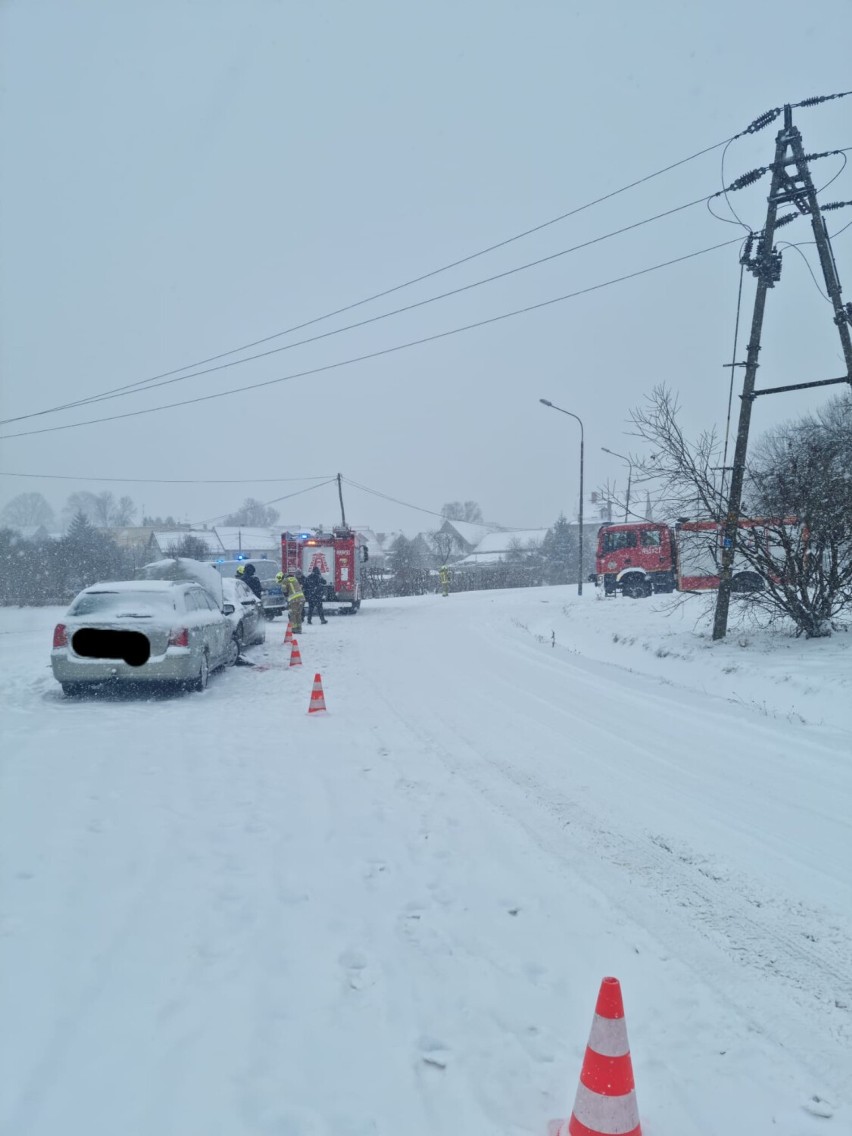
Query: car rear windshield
(128, 605)
(266, 569)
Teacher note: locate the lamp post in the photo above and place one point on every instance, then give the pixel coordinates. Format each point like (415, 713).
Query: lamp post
(629, 478)
(546, 402)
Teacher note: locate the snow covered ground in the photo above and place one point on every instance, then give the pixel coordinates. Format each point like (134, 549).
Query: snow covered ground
(220, 916)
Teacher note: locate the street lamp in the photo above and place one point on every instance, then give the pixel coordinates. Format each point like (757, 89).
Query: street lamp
(629, 478)
(546, 402)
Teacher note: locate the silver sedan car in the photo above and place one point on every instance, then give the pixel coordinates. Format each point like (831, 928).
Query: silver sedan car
(141, 631)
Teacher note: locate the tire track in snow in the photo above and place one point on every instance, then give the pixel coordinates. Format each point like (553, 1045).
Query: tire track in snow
(719, 912)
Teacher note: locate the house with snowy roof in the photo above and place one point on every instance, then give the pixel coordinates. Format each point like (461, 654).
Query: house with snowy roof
(252, 543)
(496, 547)
(465, 535)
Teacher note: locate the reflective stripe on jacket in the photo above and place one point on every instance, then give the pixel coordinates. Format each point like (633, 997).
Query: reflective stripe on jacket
(294, 588)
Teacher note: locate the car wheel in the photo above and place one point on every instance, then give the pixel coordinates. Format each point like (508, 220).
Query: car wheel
(199, 684)
(233, 650)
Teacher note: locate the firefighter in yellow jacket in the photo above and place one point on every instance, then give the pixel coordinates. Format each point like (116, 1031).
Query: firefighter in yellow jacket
(295, 598)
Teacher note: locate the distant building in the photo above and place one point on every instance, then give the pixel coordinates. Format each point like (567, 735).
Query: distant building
(253, 543)
(495, 547)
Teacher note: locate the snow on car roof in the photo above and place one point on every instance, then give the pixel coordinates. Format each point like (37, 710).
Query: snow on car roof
(136, 585)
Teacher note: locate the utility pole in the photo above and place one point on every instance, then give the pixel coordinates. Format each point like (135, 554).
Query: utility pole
(340, 495)
(791, 185)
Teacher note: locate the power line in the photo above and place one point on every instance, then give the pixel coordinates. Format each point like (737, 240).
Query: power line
(378, 354)
(274, 501)
(154, 381)
(787, 244)
(165, 480)
(756, 125)
(123, 393)
(428, 275)
(407, 504)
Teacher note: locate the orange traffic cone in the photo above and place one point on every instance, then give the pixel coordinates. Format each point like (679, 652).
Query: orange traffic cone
(317, 702)
(288, 634)
(606, 1099)
(295, 656)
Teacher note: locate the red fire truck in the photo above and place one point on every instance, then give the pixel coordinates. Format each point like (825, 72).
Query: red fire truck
(639, 559)
(339, 555)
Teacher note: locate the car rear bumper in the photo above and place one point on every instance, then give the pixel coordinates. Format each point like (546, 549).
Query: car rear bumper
(177, 665)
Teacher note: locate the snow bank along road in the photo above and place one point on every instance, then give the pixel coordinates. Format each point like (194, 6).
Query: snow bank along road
(220, 916)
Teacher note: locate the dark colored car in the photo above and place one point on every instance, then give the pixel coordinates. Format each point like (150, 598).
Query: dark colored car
(272, 594)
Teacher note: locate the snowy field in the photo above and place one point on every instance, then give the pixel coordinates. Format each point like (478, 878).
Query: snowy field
(222, 917)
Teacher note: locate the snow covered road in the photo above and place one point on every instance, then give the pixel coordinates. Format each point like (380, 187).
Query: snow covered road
(221, 916)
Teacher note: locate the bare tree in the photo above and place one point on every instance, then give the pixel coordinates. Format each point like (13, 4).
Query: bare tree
(797, 507)
(443, 545)
(688, 474)
(100, 509)
(124, 511)
(253, 514)
(190, 546)
(27, 510)
(462, 511)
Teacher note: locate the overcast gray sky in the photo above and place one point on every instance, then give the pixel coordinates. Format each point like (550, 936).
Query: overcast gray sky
(179, 178)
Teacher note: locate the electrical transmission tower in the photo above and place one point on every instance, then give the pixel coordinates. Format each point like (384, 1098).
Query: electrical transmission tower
(791, 185)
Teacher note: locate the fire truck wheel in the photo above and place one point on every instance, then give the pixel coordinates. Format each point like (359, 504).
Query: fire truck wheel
(636, 587)
(747, 582)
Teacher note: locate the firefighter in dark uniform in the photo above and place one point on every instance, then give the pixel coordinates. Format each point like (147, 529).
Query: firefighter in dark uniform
(248, 575)
(314, 590)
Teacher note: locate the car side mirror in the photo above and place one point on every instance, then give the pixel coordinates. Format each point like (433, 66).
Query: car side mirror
(228, 609)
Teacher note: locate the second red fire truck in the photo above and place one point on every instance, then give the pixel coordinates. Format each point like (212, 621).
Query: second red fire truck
(640, 559)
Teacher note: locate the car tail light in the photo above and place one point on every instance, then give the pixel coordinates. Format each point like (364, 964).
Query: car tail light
(60, 637)
(179, 637)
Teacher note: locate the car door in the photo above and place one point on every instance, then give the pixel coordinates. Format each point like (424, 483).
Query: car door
(209, 627)
(220, 627)
(253, 609)
(247, 601)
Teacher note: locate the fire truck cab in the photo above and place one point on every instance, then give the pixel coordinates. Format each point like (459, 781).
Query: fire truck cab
(636, 559)
(339, 555)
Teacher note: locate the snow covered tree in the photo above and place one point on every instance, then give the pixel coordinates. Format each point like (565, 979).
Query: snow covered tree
(27, 510)
(559, 552)
(410, 574)
(90, 555)
(801, 479)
